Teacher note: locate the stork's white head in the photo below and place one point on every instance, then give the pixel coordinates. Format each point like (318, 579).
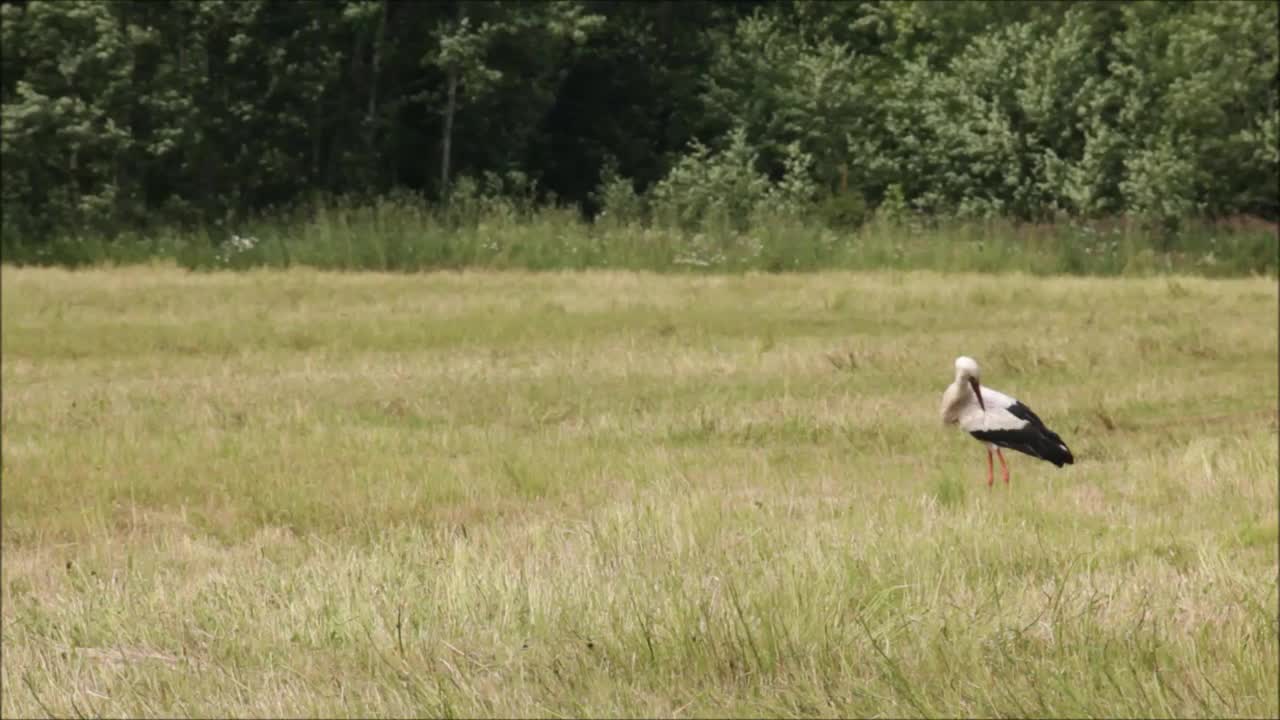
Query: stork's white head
(967, 367)
(967, 371)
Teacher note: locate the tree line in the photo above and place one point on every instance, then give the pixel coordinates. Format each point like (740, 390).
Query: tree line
(121, 115)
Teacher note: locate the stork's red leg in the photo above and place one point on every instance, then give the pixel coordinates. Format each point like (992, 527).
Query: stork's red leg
(1004, 468)
(990, 470)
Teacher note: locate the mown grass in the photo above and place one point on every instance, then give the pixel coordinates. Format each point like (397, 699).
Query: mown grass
(604, 493)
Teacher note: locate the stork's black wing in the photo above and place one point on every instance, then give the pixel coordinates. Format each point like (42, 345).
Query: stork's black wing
(1033, 438)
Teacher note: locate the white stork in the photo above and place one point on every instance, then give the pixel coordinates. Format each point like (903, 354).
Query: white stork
(998, 420)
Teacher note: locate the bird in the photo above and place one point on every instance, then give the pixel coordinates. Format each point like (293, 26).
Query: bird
(998, 421)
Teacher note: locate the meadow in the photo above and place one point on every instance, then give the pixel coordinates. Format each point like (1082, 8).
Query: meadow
(613, 493)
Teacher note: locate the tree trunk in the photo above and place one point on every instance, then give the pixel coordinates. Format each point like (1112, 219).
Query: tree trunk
(450, 109)
(446, 142)
(371, 114)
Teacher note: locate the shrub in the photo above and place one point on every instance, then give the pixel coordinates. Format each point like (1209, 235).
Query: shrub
(843, 210)
(619, 202)
(707, 189)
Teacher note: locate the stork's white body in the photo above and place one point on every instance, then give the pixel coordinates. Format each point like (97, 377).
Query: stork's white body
(960, 407)
(998, 420)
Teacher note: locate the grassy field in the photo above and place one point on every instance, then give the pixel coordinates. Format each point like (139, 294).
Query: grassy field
(298, 493)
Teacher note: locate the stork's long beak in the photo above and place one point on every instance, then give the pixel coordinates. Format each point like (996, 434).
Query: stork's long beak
(977, 391)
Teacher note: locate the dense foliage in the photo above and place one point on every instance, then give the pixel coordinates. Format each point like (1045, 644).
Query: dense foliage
(121, 116)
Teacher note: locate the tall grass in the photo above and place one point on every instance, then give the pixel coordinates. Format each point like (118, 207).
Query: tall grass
(402, 233)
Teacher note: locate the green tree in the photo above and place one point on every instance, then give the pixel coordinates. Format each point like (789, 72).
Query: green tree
(65, 129)
(474, 49)
(781, 88)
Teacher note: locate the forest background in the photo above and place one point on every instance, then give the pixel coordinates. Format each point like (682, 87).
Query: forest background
(1089, 137)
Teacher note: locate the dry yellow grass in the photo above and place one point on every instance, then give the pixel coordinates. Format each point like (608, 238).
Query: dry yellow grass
(297, 493)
